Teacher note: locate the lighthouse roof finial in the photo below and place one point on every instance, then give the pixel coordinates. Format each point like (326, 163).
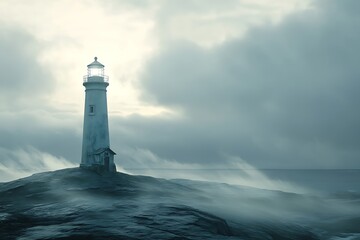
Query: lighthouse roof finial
(95, 64)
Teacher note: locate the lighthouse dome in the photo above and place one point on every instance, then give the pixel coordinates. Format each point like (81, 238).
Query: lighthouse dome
(95, 64)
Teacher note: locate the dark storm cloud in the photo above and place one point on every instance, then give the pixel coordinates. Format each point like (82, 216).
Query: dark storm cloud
(40, 131)
(23, 79)
(284, 96)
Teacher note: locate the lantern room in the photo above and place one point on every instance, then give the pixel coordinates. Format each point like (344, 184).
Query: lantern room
(95, 72)
(95, 68)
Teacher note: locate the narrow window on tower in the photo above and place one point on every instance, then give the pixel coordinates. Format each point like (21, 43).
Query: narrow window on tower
(92, 110)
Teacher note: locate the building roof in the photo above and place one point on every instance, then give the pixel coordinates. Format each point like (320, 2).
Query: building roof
(101, 150)
(95, 64)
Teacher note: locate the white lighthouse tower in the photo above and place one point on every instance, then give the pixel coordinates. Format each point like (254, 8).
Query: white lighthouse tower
(96, 152)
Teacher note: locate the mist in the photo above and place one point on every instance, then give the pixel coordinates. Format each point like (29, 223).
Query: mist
(232, 170)
(23, 162)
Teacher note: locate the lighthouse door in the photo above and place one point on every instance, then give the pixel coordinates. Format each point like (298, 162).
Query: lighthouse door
(106, 162)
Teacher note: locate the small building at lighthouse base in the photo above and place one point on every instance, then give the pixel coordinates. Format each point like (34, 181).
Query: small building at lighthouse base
(102, 160)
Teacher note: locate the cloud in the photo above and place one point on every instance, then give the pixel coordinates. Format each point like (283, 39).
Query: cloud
(22, 162)
(210, 22)
(283, 96)
(27, 117)
(57, 133)
(23, 77)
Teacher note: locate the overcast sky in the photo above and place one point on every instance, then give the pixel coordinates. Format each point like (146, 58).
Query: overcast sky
(194, 83)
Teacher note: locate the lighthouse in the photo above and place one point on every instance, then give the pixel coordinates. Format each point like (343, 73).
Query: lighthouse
(96, 152)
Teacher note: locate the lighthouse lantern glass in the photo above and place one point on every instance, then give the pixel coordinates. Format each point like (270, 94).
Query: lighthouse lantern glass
(95, 71)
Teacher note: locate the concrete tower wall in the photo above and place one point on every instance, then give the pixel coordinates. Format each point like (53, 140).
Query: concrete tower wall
(96, 129)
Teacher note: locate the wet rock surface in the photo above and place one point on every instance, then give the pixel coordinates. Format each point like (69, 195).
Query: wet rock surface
(80, 204)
